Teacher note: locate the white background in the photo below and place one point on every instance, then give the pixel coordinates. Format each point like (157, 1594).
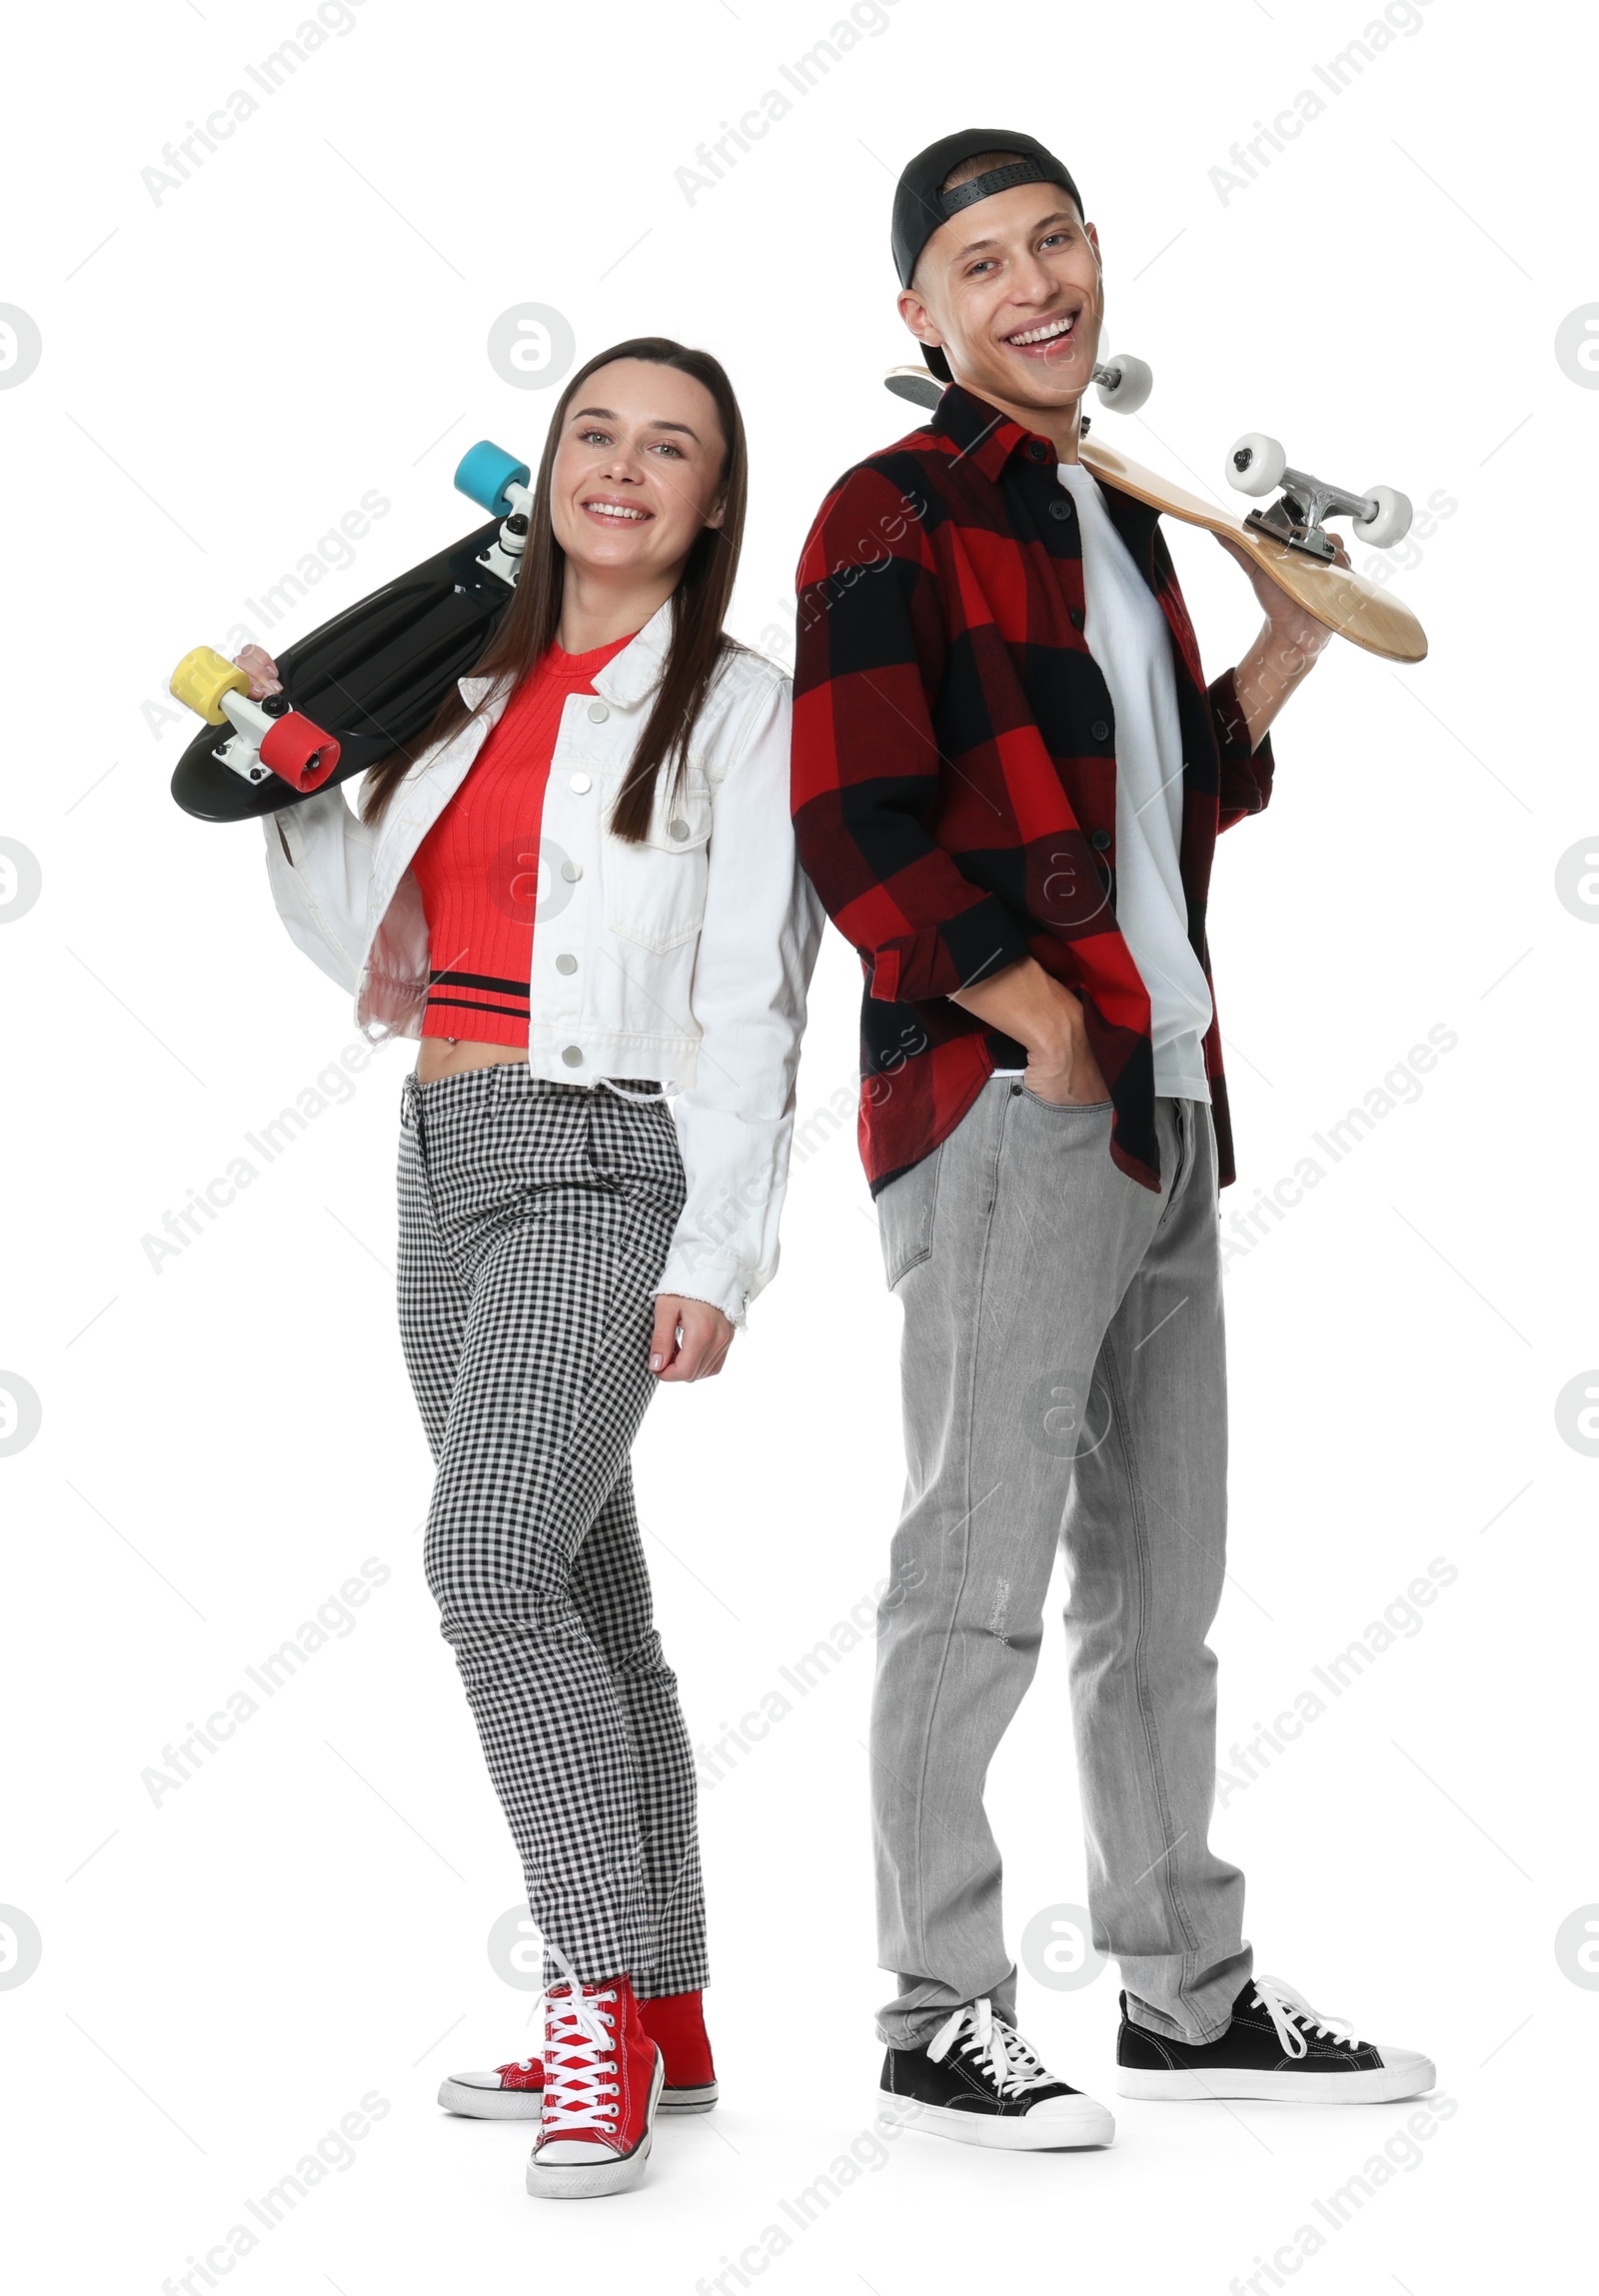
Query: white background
(225, 372)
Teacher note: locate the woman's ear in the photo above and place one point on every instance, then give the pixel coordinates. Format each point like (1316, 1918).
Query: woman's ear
(717, 511)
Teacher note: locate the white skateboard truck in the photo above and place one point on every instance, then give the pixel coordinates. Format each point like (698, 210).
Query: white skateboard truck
(268, 736)
(499, 484)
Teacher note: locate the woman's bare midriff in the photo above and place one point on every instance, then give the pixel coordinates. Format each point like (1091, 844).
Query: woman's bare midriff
(452, 1056)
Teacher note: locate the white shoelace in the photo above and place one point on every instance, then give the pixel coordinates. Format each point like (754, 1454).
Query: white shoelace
(1288, 2010)
(580, 2087)
(981, 2032)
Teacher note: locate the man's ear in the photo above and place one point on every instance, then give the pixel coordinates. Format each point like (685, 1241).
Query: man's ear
(919, 318)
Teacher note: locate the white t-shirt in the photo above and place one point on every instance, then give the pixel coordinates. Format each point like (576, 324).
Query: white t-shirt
(1129, 638)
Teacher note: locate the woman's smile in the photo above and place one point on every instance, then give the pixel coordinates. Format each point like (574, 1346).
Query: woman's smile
(614, 510)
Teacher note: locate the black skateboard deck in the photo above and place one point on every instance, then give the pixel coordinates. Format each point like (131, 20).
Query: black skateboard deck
(374, 677)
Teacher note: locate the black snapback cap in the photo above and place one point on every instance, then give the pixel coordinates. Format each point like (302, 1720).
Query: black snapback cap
(920, 207)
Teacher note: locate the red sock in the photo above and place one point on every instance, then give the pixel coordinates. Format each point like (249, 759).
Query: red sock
(676, 2024)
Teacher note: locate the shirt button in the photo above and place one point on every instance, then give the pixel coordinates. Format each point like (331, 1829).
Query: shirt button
(573, 1056)
(1099, 728)
(677, 830)
(582, 784)
(572, 871)
(1100, 840)
(1038, 452)
(566, 963)
(1060, 507)
(1078, 618)
(598, 713)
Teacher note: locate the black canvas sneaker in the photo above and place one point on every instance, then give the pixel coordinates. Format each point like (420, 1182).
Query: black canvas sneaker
(979, 2082)
(1277, 2047)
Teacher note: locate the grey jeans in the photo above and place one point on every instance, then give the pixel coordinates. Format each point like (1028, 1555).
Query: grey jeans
(1064, 1380)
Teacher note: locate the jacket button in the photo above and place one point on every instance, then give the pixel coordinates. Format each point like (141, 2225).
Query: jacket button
(1078, 618)
(677, 830)
(566, 963)
(572, 871)
(598, 713)
(1060, 507)
(1038, 452)
(1100, 840)
(1099, 728)
(582, 784)
(573, 1056)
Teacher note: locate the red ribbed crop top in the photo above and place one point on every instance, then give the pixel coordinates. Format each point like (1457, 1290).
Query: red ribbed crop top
(477, 866)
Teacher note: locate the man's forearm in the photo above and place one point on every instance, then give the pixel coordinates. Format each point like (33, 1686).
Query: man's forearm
(1043, 1014)
(1022, 1002)
(1275, 664)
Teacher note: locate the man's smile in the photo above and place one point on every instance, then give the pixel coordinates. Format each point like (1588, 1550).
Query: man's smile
(1046, 337)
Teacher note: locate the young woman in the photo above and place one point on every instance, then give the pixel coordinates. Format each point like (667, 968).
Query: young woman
(582, 896)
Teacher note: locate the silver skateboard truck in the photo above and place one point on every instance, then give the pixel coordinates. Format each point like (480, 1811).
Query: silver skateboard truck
(1256, 464)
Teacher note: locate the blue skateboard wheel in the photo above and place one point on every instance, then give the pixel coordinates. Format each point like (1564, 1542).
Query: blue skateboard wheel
(484, 473)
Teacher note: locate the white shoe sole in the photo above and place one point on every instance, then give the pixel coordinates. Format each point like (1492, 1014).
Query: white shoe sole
(1386, 2085)
(570, 2181)
(1088, 2123)
(476, 2104)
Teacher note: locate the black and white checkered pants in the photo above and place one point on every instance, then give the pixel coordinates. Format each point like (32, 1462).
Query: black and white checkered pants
(535, 1220)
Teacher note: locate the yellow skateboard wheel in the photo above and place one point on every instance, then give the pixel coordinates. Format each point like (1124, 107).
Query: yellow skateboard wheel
(200, 681)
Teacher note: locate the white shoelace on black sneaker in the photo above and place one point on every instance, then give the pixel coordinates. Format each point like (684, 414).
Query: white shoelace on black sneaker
(982, 2032)
(581, 2084)
(1289, 2011)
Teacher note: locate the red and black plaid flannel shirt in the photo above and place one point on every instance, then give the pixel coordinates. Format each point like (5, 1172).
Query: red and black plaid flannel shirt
(954, 772)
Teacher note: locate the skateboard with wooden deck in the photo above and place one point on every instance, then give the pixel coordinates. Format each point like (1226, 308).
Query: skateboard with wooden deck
(1287, 540)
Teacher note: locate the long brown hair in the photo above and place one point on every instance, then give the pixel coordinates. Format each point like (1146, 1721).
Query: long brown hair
(527, 628)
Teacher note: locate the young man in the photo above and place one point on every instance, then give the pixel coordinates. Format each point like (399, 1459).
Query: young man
(1009, 776)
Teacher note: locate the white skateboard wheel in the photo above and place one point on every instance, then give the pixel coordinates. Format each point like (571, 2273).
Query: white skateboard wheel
(1390, 518)
(1130, 382)
(1255, 463)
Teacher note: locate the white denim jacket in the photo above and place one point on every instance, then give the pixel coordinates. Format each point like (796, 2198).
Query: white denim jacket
(694, 950)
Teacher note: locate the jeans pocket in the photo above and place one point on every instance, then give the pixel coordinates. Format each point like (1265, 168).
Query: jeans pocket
(905, 1210)
(1067, 1108)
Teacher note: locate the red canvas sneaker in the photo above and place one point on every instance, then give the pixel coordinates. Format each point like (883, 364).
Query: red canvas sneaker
(602, 2082)
(675, 2022)
(514, 2091)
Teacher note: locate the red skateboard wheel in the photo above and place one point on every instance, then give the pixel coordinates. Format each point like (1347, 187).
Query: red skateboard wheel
(298, 752)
